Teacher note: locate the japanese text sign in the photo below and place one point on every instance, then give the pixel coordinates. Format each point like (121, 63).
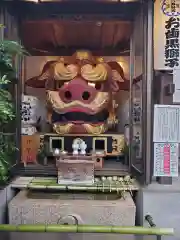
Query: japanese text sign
(166, 34)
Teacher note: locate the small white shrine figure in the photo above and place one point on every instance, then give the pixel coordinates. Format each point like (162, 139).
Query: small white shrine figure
(75, 146)
(79, 145)
(83, 147)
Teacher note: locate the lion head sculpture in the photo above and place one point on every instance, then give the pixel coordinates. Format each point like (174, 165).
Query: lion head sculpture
(80, 92)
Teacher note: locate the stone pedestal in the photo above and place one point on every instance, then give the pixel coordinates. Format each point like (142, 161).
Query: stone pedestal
(65, 208)
(75, 169)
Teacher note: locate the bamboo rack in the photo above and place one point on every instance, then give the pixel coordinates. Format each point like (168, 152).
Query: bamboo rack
(86, 229)
(81, 188)
(51, 184)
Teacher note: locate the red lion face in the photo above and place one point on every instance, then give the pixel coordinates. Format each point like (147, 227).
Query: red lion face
(79, 92)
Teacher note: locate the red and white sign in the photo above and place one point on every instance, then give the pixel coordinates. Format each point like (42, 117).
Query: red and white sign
(167, 156)
(166, 159)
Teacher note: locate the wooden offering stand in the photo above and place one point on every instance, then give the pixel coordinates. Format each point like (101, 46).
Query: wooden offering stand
(75, 169)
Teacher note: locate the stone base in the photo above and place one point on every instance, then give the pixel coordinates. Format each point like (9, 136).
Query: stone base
(162, 202)
(71, 236)
(92, 209)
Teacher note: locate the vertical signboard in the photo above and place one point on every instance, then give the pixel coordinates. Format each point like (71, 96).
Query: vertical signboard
(166, 159)
(166, 139)
(166, 123)
(166, 34)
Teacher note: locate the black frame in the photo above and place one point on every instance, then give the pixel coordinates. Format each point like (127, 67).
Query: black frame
(111, 11)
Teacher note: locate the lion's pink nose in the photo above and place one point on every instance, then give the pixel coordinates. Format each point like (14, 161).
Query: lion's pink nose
(77, 90)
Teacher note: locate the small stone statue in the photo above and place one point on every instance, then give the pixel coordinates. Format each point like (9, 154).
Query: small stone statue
(83, 147)
(75, 148)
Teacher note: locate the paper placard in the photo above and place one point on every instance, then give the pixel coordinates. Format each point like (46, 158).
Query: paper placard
(166, 123)
(166, 159)
(166, 34)
(29, 147)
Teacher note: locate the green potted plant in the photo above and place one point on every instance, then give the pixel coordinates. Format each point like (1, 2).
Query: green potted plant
(9, 50)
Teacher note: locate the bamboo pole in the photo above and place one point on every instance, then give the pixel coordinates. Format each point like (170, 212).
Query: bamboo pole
(83, 188)
(86, 229)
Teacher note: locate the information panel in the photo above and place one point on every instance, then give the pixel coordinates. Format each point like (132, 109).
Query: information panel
(166, 159)
(166, 123)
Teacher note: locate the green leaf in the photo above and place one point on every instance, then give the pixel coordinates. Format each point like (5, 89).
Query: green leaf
(8, 51)
(12, 47)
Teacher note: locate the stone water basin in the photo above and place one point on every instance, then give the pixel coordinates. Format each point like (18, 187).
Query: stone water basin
(73, 196)
(31, 207)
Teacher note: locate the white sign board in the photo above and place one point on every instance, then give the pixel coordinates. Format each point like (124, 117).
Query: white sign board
(166, 34)
(166, 159)
(166, 123)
